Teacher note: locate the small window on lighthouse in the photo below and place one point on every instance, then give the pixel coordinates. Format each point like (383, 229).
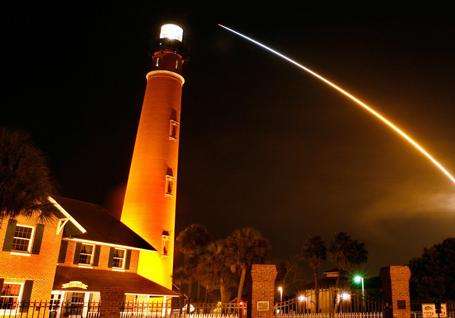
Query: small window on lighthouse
(165, 241)
(173, 130)
(170, 186)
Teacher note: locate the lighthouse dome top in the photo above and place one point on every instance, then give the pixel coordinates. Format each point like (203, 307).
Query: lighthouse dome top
(171, 32)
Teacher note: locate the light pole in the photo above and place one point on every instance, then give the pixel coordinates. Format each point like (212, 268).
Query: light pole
(280, 290)
(358, 279)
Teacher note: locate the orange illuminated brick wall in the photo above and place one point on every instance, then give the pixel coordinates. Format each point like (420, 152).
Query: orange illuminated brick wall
(148, 209)
(39, 268)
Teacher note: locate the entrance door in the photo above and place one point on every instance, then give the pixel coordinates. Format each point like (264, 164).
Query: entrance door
(55, 305)
(74, 306)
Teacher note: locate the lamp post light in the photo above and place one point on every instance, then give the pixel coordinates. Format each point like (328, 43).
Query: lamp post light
(344, 296)
(280, 290)
(359, 280)
(302, 298)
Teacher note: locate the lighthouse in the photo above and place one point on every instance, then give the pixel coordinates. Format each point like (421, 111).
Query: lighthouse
(150, 198)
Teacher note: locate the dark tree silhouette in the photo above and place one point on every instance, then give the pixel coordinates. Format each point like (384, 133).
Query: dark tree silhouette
(246, 246)
(314, 252)
(433, 273)
(346, 252)
(214, 270)
(25, 179)
(191, 243)
(193, 239)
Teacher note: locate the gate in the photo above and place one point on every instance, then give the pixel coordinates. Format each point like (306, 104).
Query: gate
(332, 303)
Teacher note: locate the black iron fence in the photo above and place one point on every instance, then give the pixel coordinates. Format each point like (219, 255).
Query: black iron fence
(329, 301)
(53, 309)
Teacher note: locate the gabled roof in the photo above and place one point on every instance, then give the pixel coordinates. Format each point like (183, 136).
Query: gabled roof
(101, 226)
(97, 280)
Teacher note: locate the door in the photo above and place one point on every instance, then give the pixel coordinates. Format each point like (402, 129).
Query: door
(74, 305)
(55, 305)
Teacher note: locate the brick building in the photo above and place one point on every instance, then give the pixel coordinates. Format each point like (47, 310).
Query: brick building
(79, 254)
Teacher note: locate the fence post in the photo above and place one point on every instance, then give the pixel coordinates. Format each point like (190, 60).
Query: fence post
(263, 291)
(395, 284)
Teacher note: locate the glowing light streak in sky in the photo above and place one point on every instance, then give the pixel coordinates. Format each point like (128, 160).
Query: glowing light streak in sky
(355, 99)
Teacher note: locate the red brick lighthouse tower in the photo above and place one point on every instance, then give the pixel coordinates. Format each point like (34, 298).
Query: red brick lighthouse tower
(149, 204)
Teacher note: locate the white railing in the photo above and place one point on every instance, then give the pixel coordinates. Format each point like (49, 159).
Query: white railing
(329, 315)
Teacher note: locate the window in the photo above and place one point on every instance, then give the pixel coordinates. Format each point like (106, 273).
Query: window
(23, 237)
(165, 242)
(10, 295)
(170, 186)
(86, 254)
(118, 258)
(173, 130)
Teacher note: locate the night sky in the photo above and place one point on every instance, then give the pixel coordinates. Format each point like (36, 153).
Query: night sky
(262, 144)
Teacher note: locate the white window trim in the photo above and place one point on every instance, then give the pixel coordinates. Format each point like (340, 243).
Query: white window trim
(92, 256)
(169, 179)
(19, 297)
(124, 259)
(176, 124)
(30, 242)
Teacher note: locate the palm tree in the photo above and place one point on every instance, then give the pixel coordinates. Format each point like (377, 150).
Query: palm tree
(314, 252)
(25, 179)
(193, 239)
(246, 246)
(214, 271)
(191, 242)
(346, 253)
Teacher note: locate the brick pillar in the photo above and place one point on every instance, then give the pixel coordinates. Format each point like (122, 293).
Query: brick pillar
(111, 301)
(263, 291)
(395, 284)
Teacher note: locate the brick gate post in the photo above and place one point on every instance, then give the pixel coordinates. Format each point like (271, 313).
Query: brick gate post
(395, 284)
(263, 291)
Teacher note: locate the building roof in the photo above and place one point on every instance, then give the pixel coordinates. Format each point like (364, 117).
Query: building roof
(97, 280)
(100, 225)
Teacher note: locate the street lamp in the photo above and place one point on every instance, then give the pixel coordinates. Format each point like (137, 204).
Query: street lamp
(344, 296)
(302, 298)
(359, 280)
(280, 290)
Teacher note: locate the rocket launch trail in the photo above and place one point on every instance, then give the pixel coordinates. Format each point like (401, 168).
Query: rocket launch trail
(356, 100)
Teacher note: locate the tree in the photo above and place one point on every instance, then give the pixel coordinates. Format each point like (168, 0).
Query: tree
(314, 252)
(246, 246)
(346, 252)
(433, 273)
(191, 242)
(291, 274)
(193, 239)
(25, 179)
(214, 270)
